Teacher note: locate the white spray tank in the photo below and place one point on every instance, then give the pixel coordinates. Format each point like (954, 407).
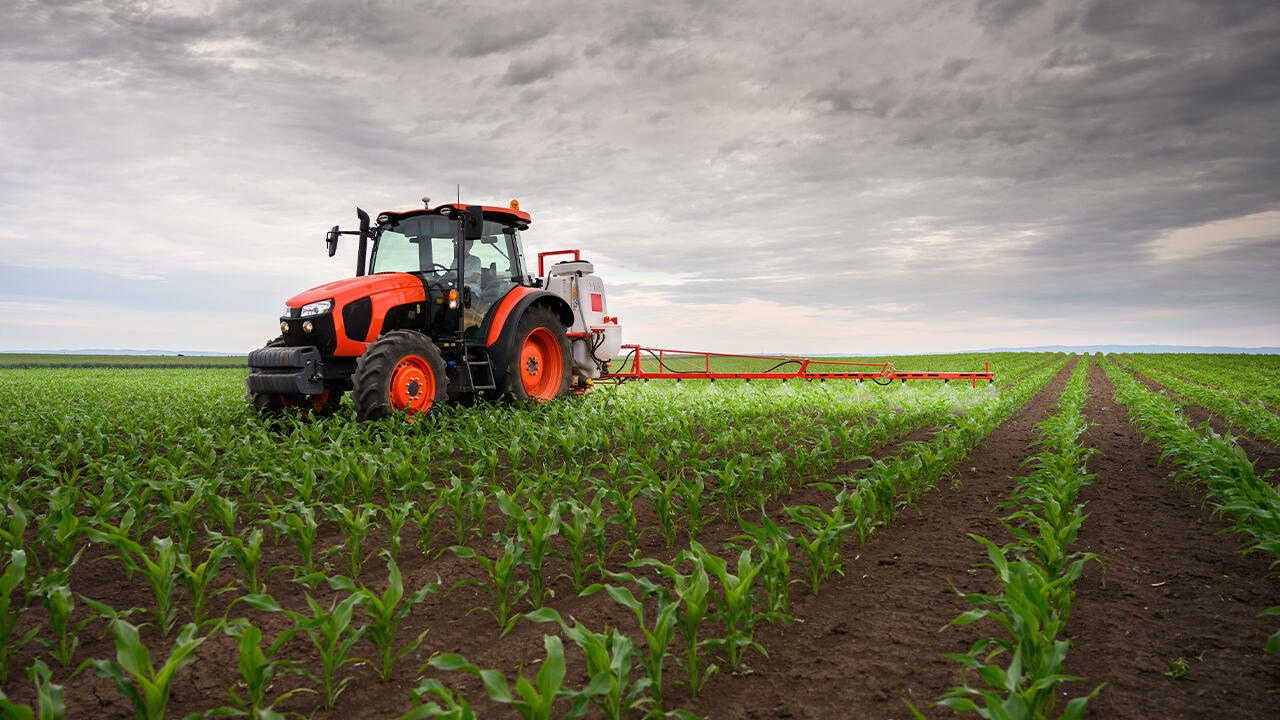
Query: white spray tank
(595, 337)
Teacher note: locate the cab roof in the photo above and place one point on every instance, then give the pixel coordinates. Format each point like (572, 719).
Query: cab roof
(501, 214)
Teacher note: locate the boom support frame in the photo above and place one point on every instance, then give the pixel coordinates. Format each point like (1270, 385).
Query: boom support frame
(643, 363)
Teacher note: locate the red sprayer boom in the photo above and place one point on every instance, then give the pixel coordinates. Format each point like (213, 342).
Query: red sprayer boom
(641, 363)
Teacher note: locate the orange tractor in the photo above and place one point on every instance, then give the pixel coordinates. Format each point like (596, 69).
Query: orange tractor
(442, 307)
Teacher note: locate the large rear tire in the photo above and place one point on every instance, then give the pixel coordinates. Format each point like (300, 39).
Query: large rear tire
(402, 371)
(540, 367)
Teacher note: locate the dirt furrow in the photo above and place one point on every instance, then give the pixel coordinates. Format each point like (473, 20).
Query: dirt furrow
(870, 640)
(1176, 589)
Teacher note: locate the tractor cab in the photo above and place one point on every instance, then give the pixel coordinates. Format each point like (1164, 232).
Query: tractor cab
(467, 260)
(442, 305)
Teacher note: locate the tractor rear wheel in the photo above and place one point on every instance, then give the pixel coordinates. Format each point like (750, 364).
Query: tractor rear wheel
(402, 371)
(540, 367)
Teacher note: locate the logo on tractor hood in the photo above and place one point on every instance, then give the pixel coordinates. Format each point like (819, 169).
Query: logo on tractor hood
(350, 289)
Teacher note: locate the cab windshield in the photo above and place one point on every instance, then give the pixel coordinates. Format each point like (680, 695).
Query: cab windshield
(416, 244)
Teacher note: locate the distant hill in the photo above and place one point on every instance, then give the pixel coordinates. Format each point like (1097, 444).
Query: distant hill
(1140, 349)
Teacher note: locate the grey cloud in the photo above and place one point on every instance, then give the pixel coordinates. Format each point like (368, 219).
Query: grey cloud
(999, 14)
(524, 72)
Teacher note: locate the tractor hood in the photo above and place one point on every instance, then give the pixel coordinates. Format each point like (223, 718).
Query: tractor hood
(351, 289)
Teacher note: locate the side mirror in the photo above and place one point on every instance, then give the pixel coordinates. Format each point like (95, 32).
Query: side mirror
(331, 241)
(473, 223)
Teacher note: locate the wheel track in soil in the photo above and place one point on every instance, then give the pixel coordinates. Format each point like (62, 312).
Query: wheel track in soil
(870, 639)
(1176, 586)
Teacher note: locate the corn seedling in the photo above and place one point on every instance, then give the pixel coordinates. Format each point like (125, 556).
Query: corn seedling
(386, 612)
(50, 700)
(773, 544)
(580, 534)
(659, 635)
(136, 678)
(13, 601)
(60, 604)
(259, 670)
(331, 634)
(821, 540)
(297, 521)
(355, 528)
(534, 699)
(431, 699)
(691, 595)
(609, 656)
(503, 588)
(197, 578)
(734, 602)
(535, 527)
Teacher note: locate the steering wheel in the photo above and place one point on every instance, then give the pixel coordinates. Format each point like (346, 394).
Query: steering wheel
(443, 269)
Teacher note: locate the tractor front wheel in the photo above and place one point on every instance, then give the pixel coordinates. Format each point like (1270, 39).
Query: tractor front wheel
(540, 367)
(402, 371)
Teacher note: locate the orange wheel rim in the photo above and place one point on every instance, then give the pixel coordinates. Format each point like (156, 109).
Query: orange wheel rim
(413, 385)
(541, 365)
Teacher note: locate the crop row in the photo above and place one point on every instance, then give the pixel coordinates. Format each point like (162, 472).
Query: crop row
(1253, 378)
(1241, 411)
(1022, 670)
(1216, 462)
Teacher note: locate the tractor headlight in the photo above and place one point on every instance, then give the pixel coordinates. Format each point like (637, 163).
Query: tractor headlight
(284, 328)
(317, 308)
(307, 326)
(384, 218)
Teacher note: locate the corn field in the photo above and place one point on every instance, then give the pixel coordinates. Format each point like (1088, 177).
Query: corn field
(649, 550)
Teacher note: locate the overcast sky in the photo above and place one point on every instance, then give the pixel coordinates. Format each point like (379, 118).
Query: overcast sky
(857, 177)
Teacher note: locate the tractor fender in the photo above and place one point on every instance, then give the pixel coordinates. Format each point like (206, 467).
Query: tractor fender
(499, 329)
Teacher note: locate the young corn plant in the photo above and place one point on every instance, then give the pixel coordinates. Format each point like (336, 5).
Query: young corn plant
(659, 635)
(624, 502)
(450, 705)
(297, 521)
(424, 518)
(386, 612)
(330, 632)
(60, 604)
(774, 545)
(532, 700)
(247, 554)
(466, 503)
(535, 527)
(355, 528)
(395, 517)
(13, 602)
(1030, 612)
(735, 605)
(159, 568)
(503, 588)
(50, 698)
(136, 678)
(197, 579)
(577, 528)
(609, 656)
(821, 540)
(259, 670)
(691, 594)
(62, 530)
